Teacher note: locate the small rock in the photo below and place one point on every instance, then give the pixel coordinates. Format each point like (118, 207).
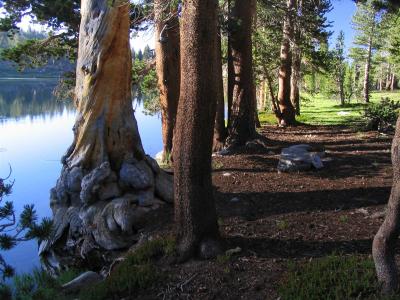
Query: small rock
(316, 161)
(362, 211)
(210, 248)
(225, 151)
(235, 200)
(226, 174)
(231, 252)
(83, 280)
(378, 215)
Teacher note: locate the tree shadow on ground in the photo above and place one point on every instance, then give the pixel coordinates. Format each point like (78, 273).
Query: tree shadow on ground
(292, 248)
(256, 205)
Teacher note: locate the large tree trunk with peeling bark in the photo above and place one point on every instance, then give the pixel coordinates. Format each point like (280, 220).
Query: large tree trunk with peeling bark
(195, 213)
(242, 125)
(220, 131)
(384, 245)
(168, 68)
(285, 70)
(107, 184)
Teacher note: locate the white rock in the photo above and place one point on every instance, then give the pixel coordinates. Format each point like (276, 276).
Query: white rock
(83, 280)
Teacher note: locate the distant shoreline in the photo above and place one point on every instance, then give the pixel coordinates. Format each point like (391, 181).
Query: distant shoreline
(27, 78)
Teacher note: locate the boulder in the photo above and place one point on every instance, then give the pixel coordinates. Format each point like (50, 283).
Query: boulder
(83, 280)
(165, 187)
(299, 158)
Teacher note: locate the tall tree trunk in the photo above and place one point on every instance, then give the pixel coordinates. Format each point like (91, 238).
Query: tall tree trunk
(242, 126)
(274, 100)
(341, 92)
(296, 60)
(195, 213)
(231, 70)
(384, 245)
(261, 96)
(367, 70)
(393, 82)
(295, 80)
(168, 68)
(285, 70)
(388, 78)
(220, 131)
(357, 75)
(106, 176)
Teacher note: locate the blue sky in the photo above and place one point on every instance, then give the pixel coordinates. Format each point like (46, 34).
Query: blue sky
(341, 15)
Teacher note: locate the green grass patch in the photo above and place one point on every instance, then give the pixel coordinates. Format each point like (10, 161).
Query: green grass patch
(333, 277)
(320, 110)
(38, 285)
(137, 271)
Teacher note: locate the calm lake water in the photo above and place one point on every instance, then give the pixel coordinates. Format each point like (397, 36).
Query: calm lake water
(35, 131)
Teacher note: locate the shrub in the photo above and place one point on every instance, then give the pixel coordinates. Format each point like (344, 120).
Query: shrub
(382, 116)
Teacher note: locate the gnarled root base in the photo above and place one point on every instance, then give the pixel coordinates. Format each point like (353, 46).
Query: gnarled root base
(99, 212)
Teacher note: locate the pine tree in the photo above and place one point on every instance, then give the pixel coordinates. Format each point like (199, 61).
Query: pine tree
(366, 22)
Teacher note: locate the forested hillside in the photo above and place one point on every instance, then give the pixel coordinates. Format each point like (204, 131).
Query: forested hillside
(8, 69)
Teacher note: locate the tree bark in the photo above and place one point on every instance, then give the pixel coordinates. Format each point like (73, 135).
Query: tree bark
(168, 69)
(388, 78)
(195, 213)
(106, 177)
(296, 63)
(274, 100)
(384, 244)
(393, 82)
(295, 80)
(285, 70)
(367, 70)
(341, 92)
(220, 131)
(242, 126)
(230, 69)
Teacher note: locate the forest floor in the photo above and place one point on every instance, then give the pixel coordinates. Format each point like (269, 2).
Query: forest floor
(279, 219)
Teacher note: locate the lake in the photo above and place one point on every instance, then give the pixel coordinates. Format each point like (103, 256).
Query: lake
(35, 131)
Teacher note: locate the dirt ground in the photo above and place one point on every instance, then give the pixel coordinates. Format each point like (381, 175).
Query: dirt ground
(275, 218)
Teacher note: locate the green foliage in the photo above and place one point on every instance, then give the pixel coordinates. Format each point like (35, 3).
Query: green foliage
(36, 53)
(383, 115)
(39, 285)
(5, 292)
(137, 272)
(333, 277)
(282, 224)
(145, 78)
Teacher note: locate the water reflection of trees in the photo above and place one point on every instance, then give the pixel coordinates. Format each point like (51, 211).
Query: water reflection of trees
(34, 98)
(149, 101)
